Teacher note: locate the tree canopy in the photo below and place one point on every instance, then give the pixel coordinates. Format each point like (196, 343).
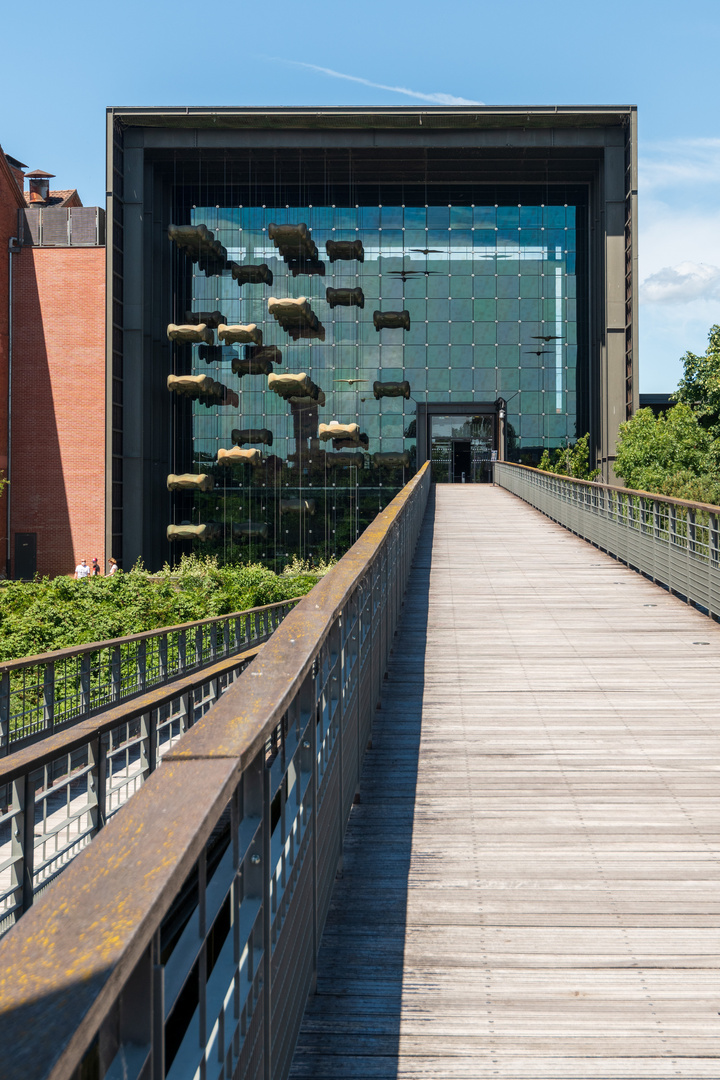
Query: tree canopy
(700, 385)
(671, 454)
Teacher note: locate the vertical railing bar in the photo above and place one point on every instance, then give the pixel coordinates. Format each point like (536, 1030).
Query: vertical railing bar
(49, 696)
(85, 683)
(163, 658)
(5, 713)
(100, 771)
(28, 841)
(182, 652)
(141, 665)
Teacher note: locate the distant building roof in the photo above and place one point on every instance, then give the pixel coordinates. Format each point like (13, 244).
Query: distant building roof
(15, 163)
(67, 197)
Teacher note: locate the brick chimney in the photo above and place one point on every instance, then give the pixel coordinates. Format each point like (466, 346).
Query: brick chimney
(39, 186)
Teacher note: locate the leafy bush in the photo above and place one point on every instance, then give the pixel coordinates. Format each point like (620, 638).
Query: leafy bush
(570, 460)
(45, 614)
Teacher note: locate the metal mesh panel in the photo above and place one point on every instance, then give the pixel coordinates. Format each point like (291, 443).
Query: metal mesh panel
(84, 226)
(30, 225)
(54, 226)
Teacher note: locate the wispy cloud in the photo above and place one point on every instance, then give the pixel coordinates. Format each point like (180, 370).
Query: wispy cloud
(682, 284)
(435, 99)
(687, 162)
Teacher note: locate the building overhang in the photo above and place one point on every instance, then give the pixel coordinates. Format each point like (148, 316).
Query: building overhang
(436, 117)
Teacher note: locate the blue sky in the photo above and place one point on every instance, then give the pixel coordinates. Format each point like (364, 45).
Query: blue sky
(63, 69)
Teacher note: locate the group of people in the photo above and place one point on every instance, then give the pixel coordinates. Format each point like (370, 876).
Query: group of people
(82, 570)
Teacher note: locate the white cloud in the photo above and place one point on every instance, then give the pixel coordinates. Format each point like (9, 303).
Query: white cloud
(679, 252)
(435, 99)
(681, 284)
(691, 163)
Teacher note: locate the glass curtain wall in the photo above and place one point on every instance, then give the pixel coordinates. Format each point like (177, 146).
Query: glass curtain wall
(483, 304)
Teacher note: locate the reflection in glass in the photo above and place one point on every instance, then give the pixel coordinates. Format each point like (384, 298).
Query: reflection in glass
(484, 300)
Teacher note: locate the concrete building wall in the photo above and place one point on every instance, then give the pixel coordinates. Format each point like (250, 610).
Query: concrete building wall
(58, 443)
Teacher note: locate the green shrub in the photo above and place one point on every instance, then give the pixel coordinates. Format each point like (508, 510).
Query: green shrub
(45, 614)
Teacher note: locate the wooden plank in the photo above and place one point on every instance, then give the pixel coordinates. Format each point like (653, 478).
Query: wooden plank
(530, 883)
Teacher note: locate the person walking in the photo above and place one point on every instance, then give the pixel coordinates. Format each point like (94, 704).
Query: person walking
(113, 567)
(82, 570)
(95, 567)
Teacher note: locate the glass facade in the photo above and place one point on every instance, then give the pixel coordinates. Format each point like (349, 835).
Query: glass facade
(491, 300)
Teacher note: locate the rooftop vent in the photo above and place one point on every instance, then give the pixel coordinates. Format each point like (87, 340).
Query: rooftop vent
(39, 186)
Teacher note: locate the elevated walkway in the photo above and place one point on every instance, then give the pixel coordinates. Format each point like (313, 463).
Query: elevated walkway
(530, 878)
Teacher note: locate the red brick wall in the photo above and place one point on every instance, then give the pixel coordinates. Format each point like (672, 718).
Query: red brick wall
(58, 433)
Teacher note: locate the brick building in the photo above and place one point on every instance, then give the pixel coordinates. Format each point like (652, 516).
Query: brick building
(52, 346)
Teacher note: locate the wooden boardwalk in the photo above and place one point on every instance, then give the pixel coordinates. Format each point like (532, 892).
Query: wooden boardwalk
(531, 883)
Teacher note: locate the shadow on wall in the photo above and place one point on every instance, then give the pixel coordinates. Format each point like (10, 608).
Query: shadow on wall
(351, 1025)
(39, 503)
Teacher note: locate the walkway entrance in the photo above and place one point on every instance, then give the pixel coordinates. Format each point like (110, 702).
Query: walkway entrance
(461, 448)
(460, 439)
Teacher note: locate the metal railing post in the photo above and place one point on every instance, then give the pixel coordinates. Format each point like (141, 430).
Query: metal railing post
(49, 696)
(98, 774)
(163, 658)
(85, 683)
(115, 672)
(149, 731)
(141, 664)
(27, 824)
(5, 712)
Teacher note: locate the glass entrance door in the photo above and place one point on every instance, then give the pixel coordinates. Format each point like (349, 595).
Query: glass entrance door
(461, 461)
(461, 447)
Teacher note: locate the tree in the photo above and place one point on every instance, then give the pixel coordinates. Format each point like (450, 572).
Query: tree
(700, 385)
(570, 460)
(671, 454)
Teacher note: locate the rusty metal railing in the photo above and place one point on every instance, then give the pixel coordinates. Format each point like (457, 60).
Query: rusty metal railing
(674, 542)
(41, 694)
(183, 941)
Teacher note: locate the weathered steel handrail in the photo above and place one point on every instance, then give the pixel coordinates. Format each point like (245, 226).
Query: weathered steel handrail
(56, 795)
(183, 941)
(674, 542)
(39, 694)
